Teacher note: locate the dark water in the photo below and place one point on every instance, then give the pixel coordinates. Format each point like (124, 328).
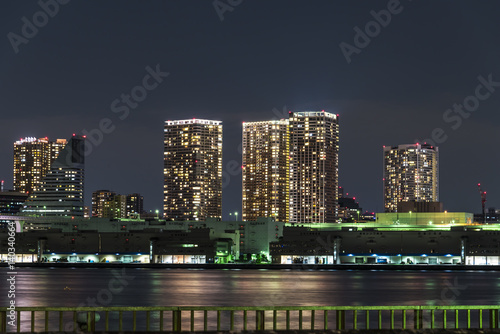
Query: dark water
(183, 287)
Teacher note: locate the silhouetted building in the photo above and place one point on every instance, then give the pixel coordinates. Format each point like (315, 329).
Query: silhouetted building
(349, 209)
(11, 202)
(135, 205)
(413, 206)
(492, 216)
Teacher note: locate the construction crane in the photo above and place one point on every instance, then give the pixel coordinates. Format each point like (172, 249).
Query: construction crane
(483, 201)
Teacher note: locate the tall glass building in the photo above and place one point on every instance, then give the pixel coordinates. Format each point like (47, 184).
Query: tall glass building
(61, 191)
(192, 169)
(32, 160)
(314, 149)
(265, 170)
(411, 173)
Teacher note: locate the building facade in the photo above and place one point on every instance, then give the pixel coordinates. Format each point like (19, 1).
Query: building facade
(411, 173)
(192, 169)
(265, 172)
(32, 160)
(11, 202)
(134, 205)
(115, 207)
(99, 198)
(61, 191)
(314, 148)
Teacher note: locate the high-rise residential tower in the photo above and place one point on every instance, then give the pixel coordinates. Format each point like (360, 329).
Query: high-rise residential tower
(99, 198)
(411, 173)
(265, 170)
(135, 204)
(192, 169)
(61, 191)
(32, 160)
(314, 148)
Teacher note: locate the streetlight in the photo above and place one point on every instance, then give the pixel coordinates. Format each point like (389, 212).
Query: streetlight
(358, 217)
(235, 216)
(157, 212)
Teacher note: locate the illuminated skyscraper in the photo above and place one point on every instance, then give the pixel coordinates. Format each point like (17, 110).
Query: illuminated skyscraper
(314, 148)
(61, 191)
(265, 170)
(32, 160)
(410, 174)
(192, 169)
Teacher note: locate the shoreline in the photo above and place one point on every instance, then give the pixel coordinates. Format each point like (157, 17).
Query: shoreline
(305, 267)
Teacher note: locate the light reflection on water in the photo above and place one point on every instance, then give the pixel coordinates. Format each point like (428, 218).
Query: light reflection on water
(183, 287)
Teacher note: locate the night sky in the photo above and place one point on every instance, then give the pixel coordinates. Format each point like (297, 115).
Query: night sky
(262, 60)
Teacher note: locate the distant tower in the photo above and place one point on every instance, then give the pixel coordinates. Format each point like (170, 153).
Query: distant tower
(314, 148)
(32, 160)
(61, 190)
(135, 205)
(265, 170)
(99, 197)
(411, 173)
(192, 169)
(115, 207)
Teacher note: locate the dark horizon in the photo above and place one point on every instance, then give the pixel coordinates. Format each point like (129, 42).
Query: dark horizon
(398, 84)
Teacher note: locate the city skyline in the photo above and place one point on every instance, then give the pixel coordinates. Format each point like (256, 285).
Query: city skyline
(438, 83)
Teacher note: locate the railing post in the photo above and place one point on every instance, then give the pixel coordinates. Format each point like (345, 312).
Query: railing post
(176, 321)
(417, 319)
(192, 321)
(18, 321)
(340, 319)
(205, 320)
(3, 321)
(244, 320)
(218, 320)
(493, 319)
(231, 326)
(260, 321)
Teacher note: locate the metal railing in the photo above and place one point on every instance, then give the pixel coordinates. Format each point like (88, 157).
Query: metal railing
(90, 319)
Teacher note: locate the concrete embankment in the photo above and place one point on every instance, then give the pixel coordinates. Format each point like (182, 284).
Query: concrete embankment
(435, 267)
